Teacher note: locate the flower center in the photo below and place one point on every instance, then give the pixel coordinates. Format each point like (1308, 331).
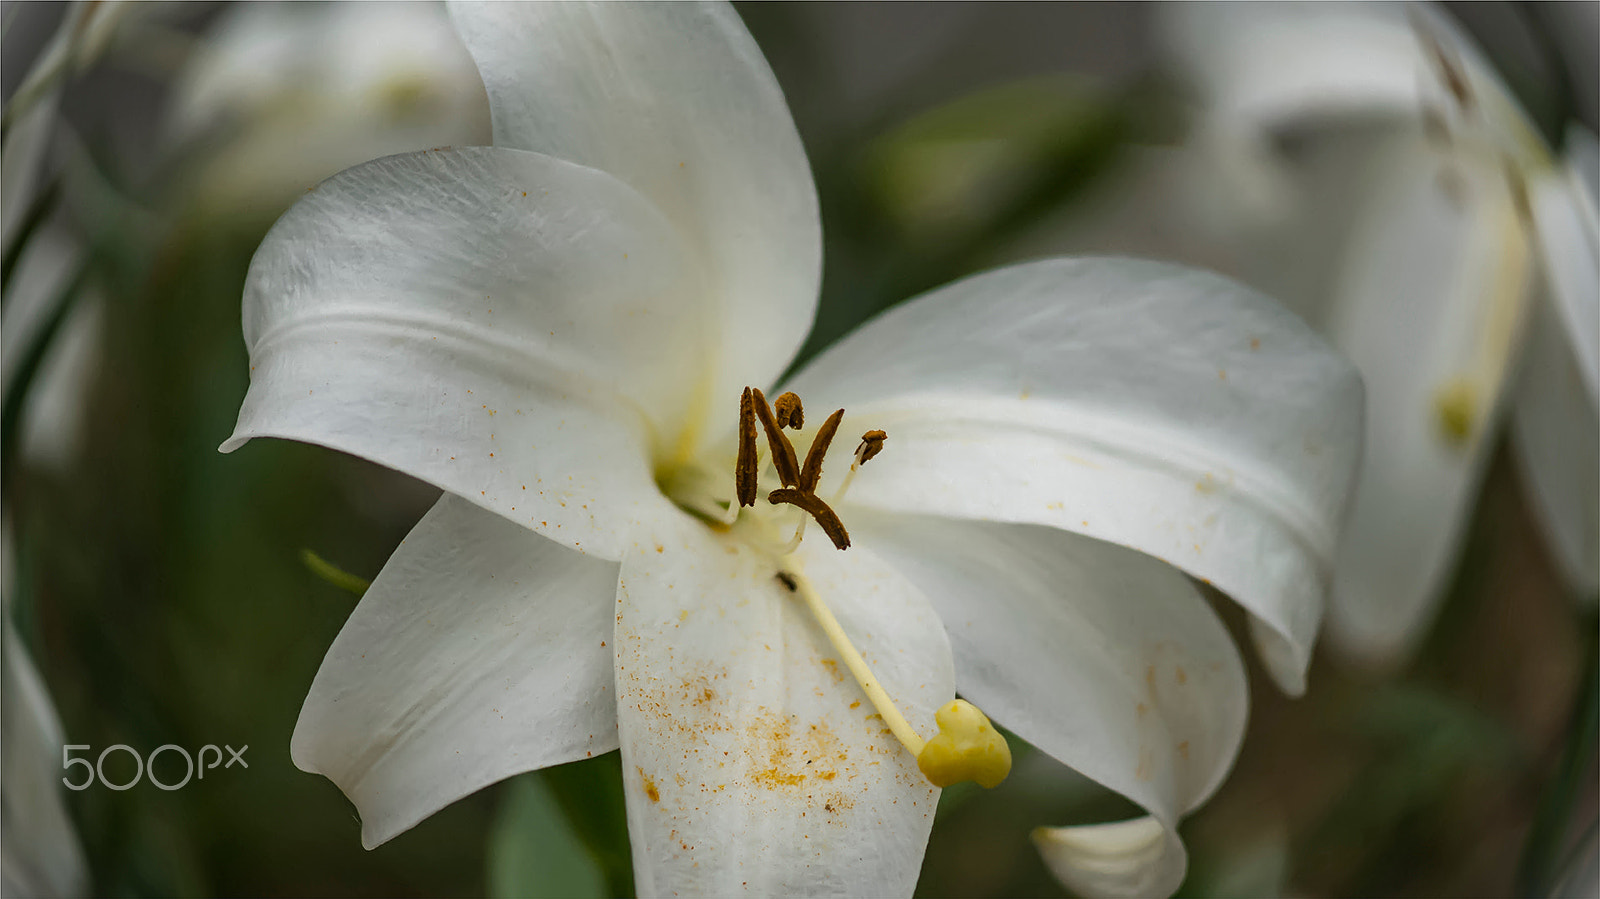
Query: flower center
(967, 747)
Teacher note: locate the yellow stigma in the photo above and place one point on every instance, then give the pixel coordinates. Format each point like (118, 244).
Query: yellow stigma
(967, 746)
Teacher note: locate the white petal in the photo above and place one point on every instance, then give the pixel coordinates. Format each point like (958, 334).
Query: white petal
(1264, 66)
(1113, 859)
(1556, 419)
(478, 653)
(753, 762)
(1429, 305)
(1556, 425)
(676, 100)
(1164, 409)
(1105, 658)
(42, 855)
(1262, 61)
(1566, 212)
(501, 324)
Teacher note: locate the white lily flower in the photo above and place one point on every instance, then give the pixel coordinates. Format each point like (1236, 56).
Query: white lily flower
(560, 331)
(1413, 223)
(300, 91)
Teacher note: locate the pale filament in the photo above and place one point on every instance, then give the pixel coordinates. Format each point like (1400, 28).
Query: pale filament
(849, 477)
(799, 532)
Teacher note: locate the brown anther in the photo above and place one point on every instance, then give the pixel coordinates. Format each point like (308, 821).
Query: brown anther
(790, 413)
(812, 472)
(818, 510)
(745, 472)
(871, 445)
(782, 450)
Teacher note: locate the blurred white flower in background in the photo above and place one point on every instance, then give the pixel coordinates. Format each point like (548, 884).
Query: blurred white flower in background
(1556, 414)
(283, 95)
(1363, 164)
(555, 331)
(1419, 216)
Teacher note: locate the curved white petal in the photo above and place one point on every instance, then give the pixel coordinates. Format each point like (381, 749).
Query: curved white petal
(1115, 859)
(1261, 66)
(753, 763)
(1428, 304)
(1164, 409)
(1566, 214)
(676, 100)
(1556, 419)
(499, 323)
(1262, 61)
(1556, 425)
(42, 855)
(1103, 657)
(479, 652)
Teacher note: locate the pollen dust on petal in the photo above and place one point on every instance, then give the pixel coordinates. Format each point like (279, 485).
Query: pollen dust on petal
(784, 754)
(649, 785)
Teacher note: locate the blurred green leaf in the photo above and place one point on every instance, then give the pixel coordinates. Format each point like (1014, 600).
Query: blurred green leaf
(591, 794)
(974, 164)
(533, 852)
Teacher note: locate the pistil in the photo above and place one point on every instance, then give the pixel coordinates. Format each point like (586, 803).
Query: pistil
(967, 746)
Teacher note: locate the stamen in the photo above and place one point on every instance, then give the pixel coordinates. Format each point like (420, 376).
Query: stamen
(813, 504)
(783, 458)
(812, 472)
(799, 532)
(746, 470)
(790, 413)
(967, 746)
(871, 445)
